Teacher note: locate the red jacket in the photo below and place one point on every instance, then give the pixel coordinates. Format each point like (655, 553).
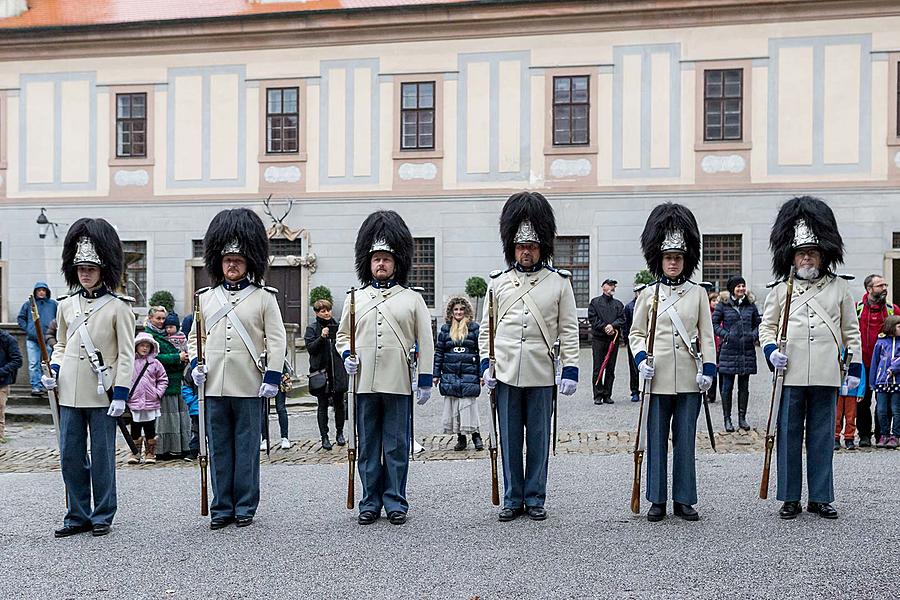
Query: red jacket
(870, 323)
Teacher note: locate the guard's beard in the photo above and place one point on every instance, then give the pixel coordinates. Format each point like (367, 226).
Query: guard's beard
(808, 273)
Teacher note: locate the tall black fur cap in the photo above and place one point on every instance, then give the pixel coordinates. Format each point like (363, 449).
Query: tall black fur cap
(245, 226)
(387, 226)
(532, 207)
(820, 219)
(664, 218)
(106, 243)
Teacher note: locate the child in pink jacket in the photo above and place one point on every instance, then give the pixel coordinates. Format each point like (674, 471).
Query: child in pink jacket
(148, 384)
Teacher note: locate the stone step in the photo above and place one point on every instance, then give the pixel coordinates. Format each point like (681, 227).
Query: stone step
(29, 414)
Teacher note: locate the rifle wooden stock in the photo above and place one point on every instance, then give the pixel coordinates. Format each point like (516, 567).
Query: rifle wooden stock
(645, 399)
(203, 458)
(777, 388)
(494, 437)
(351, 411)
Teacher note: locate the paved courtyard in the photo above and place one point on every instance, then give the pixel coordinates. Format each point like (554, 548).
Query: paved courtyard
(305, 544)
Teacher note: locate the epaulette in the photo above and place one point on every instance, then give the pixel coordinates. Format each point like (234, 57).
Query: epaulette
(124, 298)
(358, 289)
(270, 289)
(772, 284)
(497, 273)
(847, 276)
(708, 286)
(414, 288)
(63, 297)
(640, 287)
(564, 273)
(202, 290)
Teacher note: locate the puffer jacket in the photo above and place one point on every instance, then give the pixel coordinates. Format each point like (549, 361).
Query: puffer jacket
(738, 326)
(885, 366)
(153, 384)
(457, 364)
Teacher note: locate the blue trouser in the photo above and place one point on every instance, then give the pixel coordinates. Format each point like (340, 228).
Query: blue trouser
(233, 430)
(815, 407)
(382, 423)
(524, 414)
(680, 412)
(34, 363)
(84, 474)
(888, 407)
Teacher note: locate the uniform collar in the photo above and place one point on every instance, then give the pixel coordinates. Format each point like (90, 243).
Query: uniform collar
(672, 282)
(383, 285)
(97, 293)
(531, 269)
(236, 286)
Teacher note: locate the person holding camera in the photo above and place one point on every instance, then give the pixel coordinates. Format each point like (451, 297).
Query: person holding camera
(327, 377)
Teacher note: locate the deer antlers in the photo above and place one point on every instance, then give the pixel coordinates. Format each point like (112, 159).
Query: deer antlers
(268, 210)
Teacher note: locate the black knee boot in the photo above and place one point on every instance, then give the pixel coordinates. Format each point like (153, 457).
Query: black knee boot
(726, 410)
(743, 398)
(460, 442)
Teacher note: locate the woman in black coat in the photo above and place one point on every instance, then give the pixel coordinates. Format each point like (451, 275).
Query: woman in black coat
(736, 321)
(327, 377)
(456, 363)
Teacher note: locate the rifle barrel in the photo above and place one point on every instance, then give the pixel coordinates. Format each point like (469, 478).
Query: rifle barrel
(645, 399)
(351, 411)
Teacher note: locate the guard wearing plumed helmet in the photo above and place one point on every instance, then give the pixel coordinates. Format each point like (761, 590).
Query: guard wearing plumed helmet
(822, 323)
(534, 309)
(92, 368)
(244, 346)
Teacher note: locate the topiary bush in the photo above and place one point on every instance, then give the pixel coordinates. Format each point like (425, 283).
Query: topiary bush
(163, 298)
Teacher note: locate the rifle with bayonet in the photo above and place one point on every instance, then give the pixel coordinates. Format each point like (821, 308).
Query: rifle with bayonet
(698, 356)
(557, 369)
(494, 437)
(52, 398)
(351, 411)
(203, 458)
(777, 388)
(639, 440)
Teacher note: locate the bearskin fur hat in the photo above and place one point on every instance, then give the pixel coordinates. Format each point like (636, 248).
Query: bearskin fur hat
(386, 231)
(241, 227)
(454, 300)
(664, 221)
(821, 231)
(533, 208)
(104, 250)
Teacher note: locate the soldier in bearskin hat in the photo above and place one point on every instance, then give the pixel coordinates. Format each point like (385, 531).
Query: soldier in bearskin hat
(391, 320)
(534, 307)
(671, 246)
(244, 347)
(806, 244)
(91, 368)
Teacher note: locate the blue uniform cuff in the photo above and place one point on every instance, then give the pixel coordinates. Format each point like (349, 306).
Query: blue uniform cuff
(193, 363)
(425, 380)
(272, 377)
(640, 357)
(709, 369)
(345, 354)
(120, 393)
(855, 370)
(55, 369)
(768, 350)
(570, 373)
(485, 363)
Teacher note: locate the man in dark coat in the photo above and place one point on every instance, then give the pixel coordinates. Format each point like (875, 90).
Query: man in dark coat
(607, 318)
(736, 322)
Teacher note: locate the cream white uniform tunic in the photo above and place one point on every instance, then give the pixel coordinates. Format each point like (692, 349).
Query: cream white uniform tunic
(111, 330)
(389, 321)
(532, 311)
(823, 321)
(233, 370)
(676, 367)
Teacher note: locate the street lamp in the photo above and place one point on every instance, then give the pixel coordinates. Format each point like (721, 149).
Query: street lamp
(44, 225)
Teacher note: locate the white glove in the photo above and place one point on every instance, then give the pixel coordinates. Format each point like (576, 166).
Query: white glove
(567, 387)
(116, 408)
(422, 395)
(490, 382)
(48, 381)
(778, 360)
(199, 374)
(351, 365)
(704, 381)
(851, 382)
(267, 390)
(647, 370)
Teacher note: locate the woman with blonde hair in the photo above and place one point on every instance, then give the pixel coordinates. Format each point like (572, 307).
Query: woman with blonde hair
(456, 363)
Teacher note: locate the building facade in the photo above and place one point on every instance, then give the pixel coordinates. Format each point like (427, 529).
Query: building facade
(440, 111)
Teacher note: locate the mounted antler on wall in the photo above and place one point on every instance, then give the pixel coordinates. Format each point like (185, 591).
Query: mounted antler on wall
(278, 228)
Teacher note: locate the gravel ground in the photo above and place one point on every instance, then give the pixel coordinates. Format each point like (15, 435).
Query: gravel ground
(576, 413)
(304, 543)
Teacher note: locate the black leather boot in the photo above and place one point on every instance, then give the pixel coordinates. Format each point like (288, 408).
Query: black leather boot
(476, 439)
(726, 410)
(460, 443)
(326, 443)
(743, 399)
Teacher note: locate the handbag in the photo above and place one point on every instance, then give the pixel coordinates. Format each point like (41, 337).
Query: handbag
(318, 381)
